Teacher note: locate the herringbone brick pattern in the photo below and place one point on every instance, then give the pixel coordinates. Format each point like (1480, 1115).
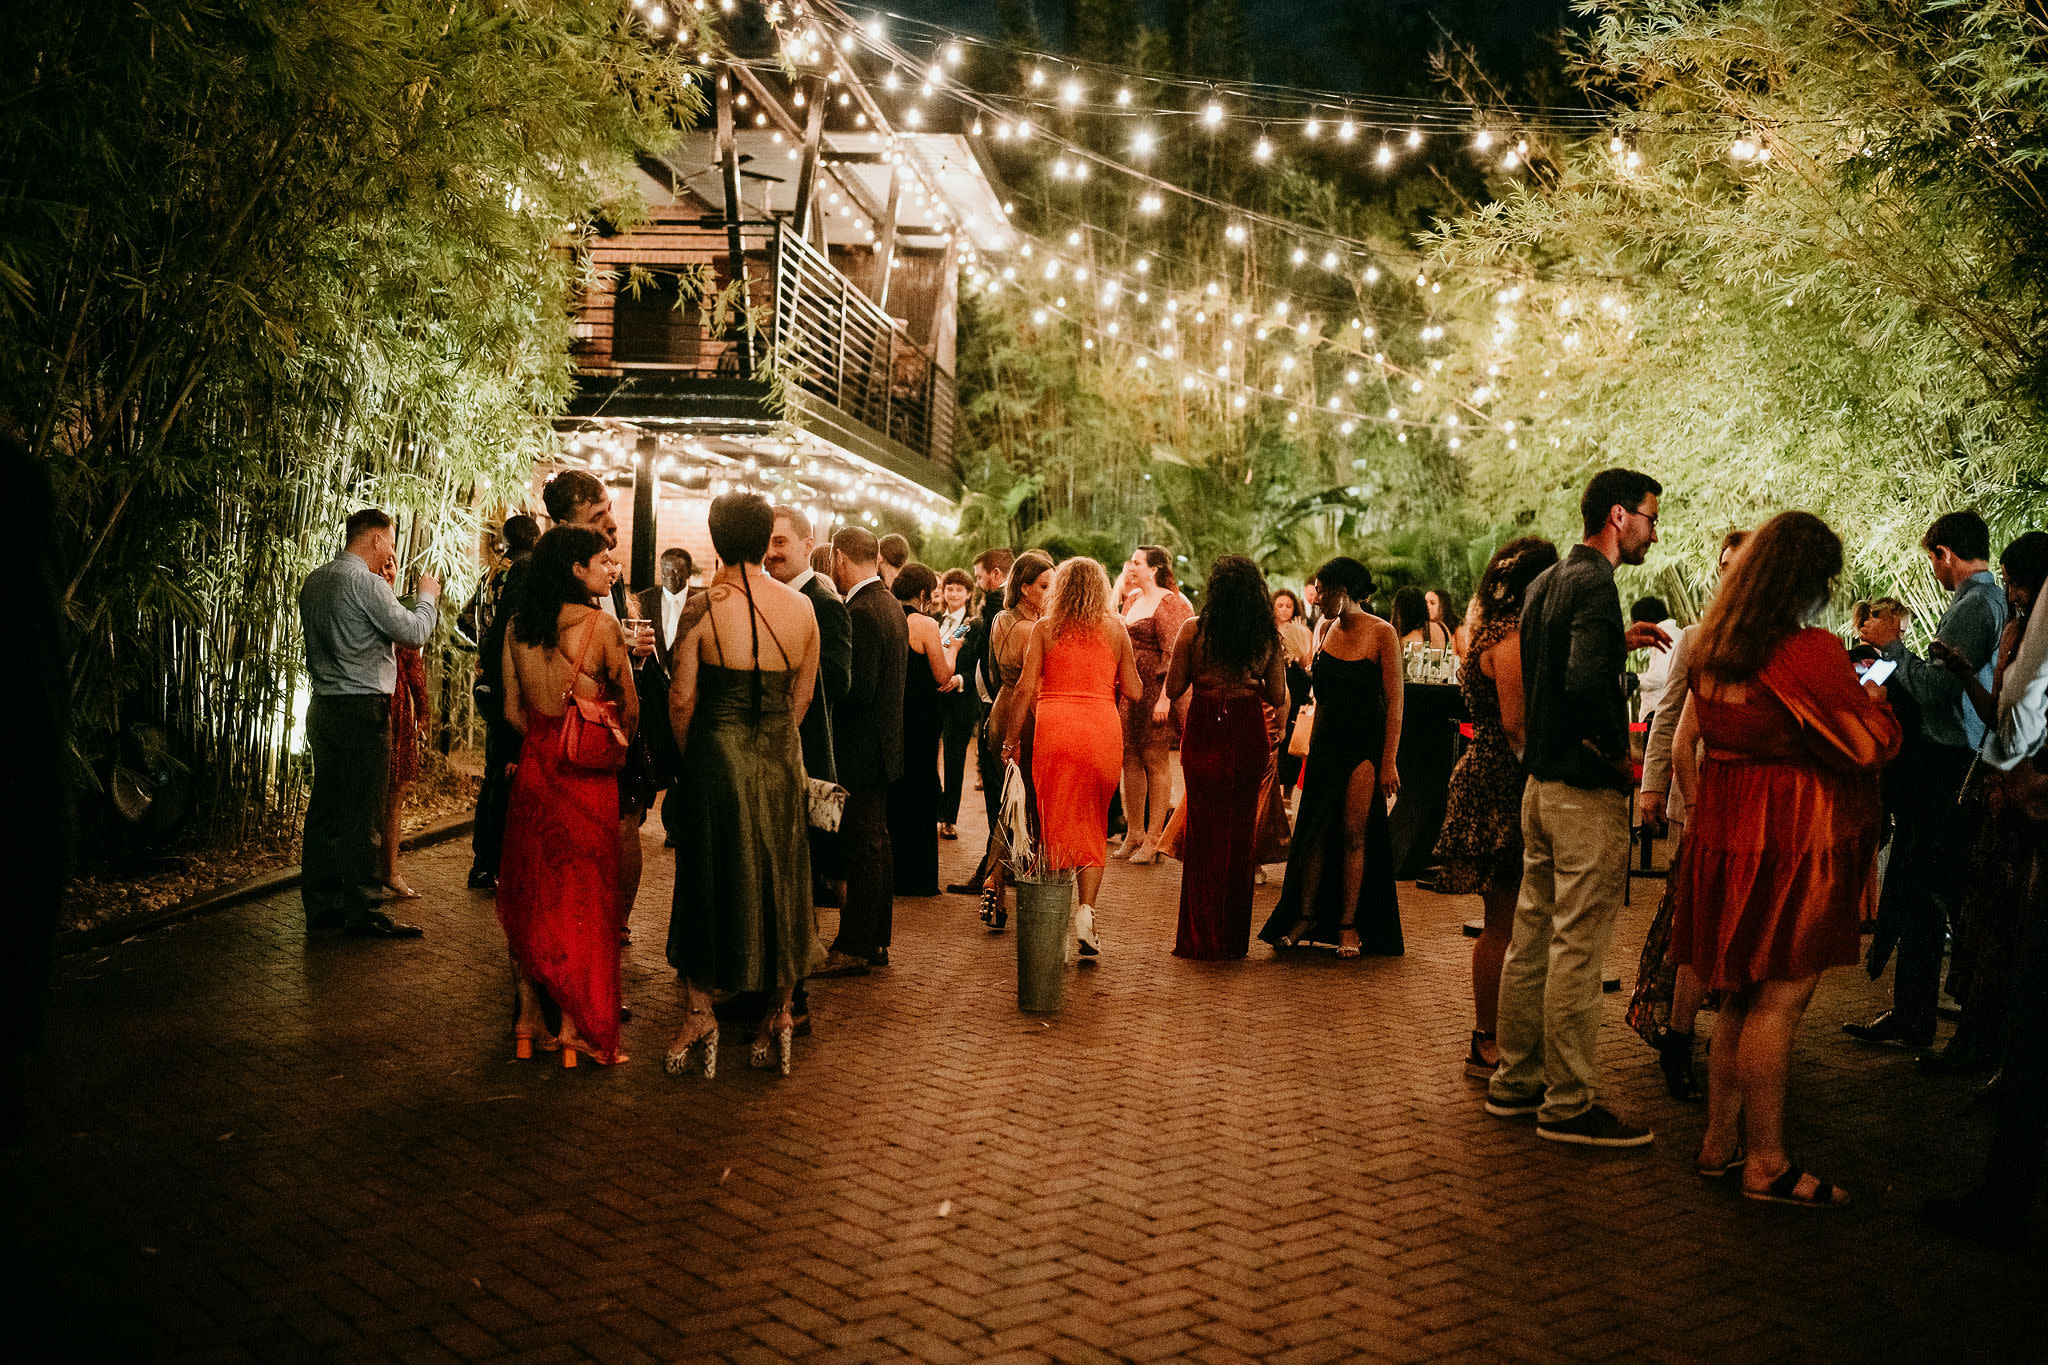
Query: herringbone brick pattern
(256, 1148)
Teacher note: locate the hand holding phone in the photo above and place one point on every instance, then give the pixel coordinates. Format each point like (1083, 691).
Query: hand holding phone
(1879, 670)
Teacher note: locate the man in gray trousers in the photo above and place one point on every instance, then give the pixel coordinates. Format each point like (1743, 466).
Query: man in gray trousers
(351, 619)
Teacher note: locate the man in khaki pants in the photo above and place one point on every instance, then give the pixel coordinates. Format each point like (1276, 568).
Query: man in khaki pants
(1574, 821)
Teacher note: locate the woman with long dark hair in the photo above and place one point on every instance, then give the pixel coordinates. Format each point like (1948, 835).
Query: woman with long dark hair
(741, 679)
(1291, 617)
(558, 878)
(1414, 623)
(1342, 830)
(1782, 846)
(1153, 613)
(1231, 658)
(1480, 849)
(1009, 636)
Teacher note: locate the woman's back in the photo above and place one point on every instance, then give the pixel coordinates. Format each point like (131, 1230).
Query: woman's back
(769, 632)
(1080, 661)
(582, 634)
(1207, 674)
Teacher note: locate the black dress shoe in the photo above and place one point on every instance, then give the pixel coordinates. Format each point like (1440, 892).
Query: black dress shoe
(482, 881)
(1957, 1059)
(326, 924)
(377, 924)
(962, 889)
(2000, 1223)
(880, 958)
(1889, 1028)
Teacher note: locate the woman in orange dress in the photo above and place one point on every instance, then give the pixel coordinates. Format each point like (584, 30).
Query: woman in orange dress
(1078, 663)
(1782, 846)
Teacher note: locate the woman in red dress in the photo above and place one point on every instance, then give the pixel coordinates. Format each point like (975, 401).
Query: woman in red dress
(1232, 658)
(411, 710)
(1078, 662)
(558, 882)
(1782, 846)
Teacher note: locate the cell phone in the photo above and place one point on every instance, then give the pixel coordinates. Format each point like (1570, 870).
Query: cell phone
(1879, 670)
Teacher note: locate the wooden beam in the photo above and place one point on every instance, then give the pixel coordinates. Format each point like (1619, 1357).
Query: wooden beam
(850, 185)
(807, 170)
(735, 244)
(885, 239)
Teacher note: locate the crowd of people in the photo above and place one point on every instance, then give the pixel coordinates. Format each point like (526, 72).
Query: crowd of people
(804, 719)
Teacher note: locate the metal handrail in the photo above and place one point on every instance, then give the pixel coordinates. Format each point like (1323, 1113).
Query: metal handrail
(843, 348)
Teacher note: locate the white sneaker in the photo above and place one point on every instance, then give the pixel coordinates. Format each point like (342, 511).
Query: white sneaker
(1084, 931)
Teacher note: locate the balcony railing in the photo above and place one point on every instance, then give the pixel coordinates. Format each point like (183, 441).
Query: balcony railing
(839, 346)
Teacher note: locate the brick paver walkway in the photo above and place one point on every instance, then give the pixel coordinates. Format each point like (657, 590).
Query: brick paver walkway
(256, 1148)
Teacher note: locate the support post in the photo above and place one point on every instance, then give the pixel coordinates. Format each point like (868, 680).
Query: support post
(807, 215)
(646, 484)
(885, 244)
(735, 245)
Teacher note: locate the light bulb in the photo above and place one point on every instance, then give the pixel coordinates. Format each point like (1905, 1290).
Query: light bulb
(1384, 156)
(1143, 141)
(1483, 140)
(1313, 129)
(1123, 95)
(1263, 150)
(1212, 114)
(1346, 131)
(1414, 137)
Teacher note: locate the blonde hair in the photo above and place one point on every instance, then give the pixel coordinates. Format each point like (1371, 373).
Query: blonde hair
(1079, 599)
(1883, 606)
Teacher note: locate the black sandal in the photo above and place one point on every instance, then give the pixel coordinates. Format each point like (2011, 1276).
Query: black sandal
(1735, 1162)
(1785, 1190)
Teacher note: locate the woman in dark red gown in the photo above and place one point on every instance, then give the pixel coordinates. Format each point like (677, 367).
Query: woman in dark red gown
(558, 882)
(1782, 845)
(1232, 659)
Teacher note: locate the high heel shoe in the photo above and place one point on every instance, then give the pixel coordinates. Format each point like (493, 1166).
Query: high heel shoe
(681, 1060)
(774, 1048)
(785, 1047)
(523, 1039)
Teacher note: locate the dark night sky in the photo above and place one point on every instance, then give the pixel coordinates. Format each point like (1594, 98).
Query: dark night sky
(1323, 42)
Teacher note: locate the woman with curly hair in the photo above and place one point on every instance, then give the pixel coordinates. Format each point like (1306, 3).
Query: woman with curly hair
(1480, 849)
(1077, 664)
(1232, 659)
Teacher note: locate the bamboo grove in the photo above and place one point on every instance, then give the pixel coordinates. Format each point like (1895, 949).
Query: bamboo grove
(265, 262)
(1799, 264)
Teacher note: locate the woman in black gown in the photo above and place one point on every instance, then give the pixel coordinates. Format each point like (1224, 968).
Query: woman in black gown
(1340, 875)
(914, 797)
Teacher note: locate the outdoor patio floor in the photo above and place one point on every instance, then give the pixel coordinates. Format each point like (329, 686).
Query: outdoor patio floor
(250, 1146)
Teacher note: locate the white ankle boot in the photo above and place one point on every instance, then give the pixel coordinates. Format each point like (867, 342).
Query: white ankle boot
(1084, 931)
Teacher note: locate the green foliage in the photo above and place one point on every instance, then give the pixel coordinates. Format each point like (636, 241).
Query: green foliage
(265, 262)
(1853, 325)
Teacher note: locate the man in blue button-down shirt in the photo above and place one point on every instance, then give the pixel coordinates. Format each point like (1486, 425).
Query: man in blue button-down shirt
(351, 619)
(1914, 910)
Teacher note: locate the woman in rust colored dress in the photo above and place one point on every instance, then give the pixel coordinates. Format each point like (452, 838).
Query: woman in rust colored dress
(1153, 615)
(1232, 659)
(411, 711)
(1779, 856)
(558, 882)
(1077, 664)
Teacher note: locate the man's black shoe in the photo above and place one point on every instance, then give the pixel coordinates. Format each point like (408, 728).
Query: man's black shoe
(2000, 1224)
(880, 958)
(1889, 1028)
(377, 924)
(326, 924)
(480, 880)
(1957, 1059)
(962, 889)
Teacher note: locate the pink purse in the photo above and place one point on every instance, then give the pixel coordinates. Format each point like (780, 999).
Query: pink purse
(592, 736)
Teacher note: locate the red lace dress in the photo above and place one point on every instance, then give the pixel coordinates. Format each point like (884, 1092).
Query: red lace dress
(558, 884)
(409, 716)
(1782, 843)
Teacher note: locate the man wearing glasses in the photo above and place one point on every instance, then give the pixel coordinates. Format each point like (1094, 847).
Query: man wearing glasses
(1575, 825)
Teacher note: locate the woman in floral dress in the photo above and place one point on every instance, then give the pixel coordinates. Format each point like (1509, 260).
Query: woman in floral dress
(1480, 849)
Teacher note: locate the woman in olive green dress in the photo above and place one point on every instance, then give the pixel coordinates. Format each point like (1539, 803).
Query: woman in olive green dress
(742, 676)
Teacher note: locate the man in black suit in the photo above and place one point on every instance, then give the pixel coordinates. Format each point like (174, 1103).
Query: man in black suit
(983, 680)
(867, 741)
(662, 606)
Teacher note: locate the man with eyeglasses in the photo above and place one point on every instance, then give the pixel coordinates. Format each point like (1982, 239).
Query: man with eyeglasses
(1575, 821)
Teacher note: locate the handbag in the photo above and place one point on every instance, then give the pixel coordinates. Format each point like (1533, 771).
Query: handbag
(824, 804)
(1304, 727)
(592, 736)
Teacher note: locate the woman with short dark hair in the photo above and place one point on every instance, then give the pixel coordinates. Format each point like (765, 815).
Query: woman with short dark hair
(1350, 773)
(742, 677)
(914, 797)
